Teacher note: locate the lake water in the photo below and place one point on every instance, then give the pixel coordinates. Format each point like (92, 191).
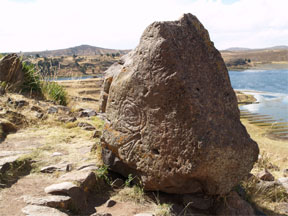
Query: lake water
(269, 87)
(73, 78)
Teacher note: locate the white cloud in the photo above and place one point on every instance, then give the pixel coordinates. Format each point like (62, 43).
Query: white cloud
(53, 24)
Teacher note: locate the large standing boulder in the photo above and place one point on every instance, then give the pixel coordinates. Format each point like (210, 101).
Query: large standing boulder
(11, 70)
(172, 115)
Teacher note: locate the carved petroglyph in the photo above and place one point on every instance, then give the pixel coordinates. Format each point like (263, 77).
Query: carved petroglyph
(131, 116)
(131, 120)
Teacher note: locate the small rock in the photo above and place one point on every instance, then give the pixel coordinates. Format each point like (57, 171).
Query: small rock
(144, 214)
(88, 167)
(49, 169)
(101, 214)
(69, 167)
(86, 126)
(285, 172)
(68, 188)
(20, 103)
(86, 179)
(52, 110)
(61, 188)
(110, 203)
(118, 183)
(265, 176)
(97, 134)
(62, 202)
(56, 154)
(39, 115)
(37, 109)
(64, 108)
(7, 127)
(35, 210)
(87, 113)
(67, 119)
(197, 202)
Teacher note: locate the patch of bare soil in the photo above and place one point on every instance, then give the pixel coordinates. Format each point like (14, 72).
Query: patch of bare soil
(11, 199)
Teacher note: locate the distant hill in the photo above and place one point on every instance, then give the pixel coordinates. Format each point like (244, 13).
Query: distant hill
(83, 50)
(232, 49)
(239, 49)
(255, 57)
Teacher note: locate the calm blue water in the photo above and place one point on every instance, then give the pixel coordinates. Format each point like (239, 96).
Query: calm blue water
(73, 78)
(269, 87)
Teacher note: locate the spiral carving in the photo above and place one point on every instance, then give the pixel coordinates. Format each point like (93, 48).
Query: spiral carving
(131, 116)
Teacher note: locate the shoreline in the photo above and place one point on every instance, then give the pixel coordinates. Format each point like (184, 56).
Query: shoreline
(260, 66)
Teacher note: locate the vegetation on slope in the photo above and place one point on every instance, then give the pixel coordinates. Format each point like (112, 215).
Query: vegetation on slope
(33, 84)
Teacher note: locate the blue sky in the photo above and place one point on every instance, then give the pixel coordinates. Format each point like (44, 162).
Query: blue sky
(34, 25)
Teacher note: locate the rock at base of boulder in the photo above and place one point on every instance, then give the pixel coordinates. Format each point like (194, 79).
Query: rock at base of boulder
(235, 205)
(35, 210)
(69, 189)
(86, 126)
(265, 175)
(62, 202)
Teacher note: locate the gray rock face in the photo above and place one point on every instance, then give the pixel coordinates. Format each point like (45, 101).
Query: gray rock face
(172, 115)
(11, 70)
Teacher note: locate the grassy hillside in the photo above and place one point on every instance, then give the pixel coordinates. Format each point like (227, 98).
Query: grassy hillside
(72, 65)
(255, 57)
(83, 50)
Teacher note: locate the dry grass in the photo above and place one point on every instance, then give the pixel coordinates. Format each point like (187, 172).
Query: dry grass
(275, 150)
(264, 196)
(163, 209)
(134, 194)
(273, 156)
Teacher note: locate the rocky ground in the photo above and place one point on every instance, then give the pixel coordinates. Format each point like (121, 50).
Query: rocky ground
(52, 166)
(57, 145)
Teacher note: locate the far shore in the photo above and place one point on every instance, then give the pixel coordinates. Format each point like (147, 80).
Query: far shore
(261, 66)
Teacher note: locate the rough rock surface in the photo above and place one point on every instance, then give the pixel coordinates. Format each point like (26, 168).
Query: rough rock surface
(235, 206)
(172, 115)
(11, 70)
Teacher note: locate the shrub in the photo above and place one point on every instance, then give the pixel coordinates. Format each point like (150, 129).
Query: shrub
(33, 84)
(55, 92)
(32, 81)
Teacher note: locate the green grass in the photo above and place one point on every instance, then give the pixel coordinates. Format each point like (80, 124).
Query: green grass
(55, 92)
(32, 81)
(34, 84)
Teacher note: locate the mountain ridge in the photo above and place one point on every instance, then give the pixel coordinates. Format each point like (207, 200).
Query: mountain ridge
(82, 50)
